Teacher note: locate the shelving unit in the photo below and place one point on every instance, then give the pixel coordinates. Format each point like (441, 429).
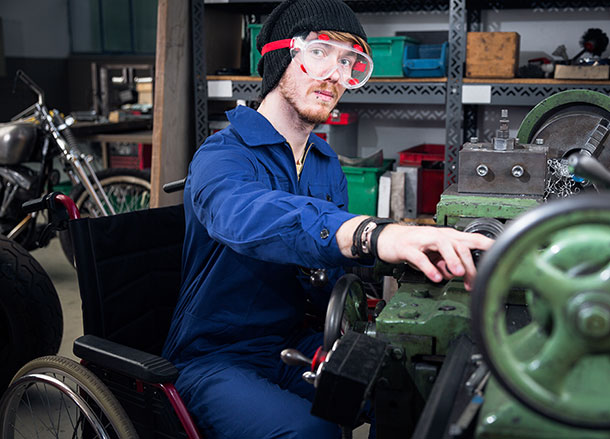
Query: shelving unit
(460, 117)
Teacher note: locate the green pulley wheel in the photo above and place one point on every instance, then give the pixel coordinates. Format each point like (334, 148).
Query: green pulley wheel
(557, 364)
(565, 122)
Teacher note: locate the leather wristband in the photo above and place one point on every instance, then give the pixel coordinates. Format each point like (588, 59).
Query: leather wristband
(357, 249)
(363, 244)
(375, 236)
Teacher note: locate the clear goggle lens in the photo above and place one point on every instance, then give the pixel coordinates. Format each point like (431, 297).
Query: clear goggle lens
(321, 58)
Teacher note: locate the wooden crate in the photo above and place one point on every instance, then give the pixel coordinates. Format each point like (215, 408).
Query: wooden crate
(492, 54)
(581, 72)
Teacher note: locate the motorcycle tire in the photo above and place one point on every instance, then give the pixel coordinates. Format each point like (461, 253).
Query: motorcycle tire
(127, 189)
(31, 320)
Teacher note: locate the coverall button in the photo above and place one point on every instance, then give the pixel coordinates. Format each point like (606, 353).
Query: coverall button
(324, 234)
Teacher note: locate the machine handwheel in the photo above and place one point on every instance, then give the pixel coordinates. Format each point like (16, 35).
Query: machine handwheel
(55, 397)
(347, 291)
(559, 255)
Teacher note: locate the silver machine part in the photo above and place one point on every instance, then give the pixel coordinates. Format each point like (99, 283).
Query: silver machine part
(503, 166)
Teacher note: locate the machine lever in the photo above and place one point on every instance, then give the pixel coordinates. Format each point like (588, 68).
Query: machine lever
(292, 357)
(471, 409)
(587, 167)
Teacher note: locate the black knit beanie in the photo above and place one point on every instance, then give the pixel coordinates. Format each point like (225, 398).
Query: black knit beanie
(292, 17)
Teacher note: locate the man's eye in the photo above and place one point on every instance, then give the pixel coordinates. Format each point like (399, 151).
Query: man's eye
(317, 52)
(346, 62)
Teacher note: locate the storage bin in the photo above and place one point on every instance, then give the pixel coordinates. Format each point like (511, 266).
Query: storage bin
(425, 60)
(363, 187)
(255, 55)
(431, 184)
(387, 55)
(427, 153)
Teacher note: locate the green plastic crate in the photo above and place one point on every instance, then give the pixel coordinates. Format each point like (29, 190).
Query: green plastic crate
(363, 187)
(387, 55)
(255, 55)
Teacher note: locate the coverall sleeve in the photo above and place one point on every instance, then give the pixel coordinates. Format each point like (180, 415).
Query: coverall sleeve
(237, 208)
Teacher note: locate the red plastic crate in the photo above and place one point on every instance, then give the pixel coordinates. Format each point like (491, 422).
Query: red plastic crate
(429, 193)
(431, 184)
(417, 155)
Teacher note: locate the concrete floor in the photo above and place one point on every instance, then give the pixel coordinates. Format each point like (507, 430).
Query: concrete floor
(65, 281)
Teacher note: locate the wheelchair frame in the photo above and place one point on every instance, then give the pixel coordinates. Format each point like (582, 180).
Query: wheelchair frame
(122, 384)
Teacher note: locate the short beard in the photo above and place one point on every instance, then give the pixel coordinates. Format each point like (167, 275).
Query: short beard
(287, 89)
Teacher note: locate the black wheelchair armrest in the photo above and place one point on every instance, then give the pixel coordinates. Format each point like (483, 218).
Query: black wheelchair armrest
(129, 361)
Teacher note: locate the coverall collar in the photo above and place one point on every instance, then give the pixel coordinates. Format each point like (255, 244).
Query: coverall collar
(256, 130)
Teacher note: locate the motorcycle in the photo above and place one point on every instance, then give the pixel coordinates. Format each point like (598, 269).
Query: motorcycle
(29, 144)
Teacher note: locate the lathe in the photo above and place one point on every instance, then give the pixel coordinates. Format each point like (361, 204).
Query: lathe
(526, 354)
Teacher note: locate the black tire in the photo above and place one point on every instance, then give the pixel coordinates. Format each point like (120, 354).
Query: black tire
(130, 181)
(31, 321)
(71, 396)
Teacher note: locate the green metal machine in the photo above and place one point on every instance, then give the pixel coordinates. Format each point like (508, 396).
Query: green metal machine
(526, 354)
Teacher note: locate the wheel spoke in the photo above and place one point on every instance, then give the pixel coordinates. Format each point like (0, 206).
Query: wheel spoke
(548, 281)
(552, 365)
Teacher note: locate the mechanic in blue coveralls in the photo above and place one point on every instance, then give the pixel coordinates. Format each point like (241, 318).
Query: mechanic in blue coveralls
(264, 197)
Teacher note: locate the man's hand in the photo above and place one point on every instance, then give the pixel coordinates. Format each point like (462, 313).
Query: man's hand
(439, 252)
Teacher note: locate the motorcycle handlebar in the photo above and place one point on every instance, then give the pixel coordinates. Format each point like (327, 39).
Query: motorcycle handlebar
(20, 75)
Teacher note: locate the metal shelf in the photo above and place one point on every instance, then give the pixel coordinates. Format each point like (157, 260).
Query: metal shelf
(460, 117)
(383, 6)
(529, 94)
(380, 91)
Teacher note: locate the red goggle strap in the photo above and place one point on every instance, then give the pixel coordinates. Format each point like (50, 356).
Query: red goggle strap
(275, 45)
(287, 44)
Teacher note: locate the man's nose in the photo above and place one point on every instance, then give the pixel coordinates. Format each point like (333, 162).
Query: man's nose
(335, 76)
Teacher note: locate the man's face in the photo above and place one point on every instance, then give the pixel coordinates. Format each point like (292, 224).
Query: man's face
(312, 99)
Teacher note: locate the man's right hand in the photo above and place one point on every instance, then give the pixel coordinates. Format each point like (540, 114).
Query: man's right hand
(439, 252)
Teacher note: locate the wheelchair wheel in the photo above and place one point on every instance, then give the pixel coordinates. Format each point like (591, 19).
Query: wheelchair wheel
(55, 397)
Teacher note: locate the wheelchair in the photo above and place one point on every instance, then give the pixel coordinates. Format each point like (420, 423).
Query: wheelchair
(128, 269)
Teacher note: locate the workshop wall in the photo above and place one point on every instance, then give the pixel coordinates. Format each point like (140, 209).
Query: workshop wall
(36, 40)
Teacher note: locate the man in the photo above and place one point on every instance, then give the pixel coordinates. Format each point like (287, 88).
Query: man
(264, 197)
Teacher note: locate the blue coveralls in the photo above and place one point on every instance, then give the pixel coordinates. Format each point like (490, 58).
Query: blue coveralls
(250, 221)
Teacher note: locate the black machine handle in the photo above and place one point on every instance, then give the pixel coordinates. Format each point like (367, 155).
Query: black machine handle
(174, 186)
(587, 167)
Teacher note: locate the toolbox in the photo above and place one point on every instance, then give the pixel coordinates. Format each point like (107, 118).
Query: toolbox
(492, 54)
(425, 60)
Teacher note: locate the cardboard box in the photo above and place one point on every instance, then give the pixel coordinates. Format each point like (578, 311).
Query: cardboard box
(145, 90)
(581, 72)
(492, 54)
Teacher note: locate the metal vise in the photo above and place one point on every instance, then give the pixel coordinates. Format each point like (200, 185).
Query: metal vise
(503, 166)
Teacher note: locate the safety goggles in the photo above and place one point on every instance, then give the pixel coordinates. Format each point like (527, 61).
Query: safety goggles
(322, 57)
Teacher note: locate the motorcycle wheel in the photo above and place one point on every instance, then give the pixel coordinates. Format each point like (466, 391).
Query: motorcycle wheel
(31, 320)
(127, 190)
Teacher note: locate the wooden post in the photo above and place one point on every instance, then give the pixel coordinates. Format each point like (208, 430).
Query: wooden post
(172, 126)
